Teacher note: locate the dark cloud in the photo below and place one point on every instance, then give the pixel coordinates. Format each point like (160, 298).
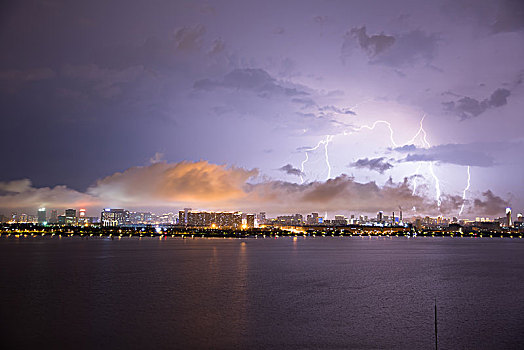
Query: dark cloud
(376, 164)
(395, 51)
(510, 16)
(474, 154)
(374, 44)
(499, 98)
(290, 170)
(491, 205)
(468, 107)
(410, 48)
(336, 110)
(252, 79)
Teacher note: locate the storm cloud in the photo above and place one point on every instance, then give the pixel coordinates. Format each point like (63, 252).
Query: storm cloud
(374, 44)
(490, 204)
(251, 79)
(290, 170)
(376, 164)
(480, 154)
(468, 107)
(405, 49)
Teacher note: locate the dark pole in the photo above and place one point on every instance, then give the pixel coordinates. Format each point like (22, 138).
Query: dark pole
(436, 334)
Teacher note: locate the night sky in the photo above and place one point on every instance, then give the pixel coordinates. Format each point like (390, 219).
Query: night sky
(280, 106)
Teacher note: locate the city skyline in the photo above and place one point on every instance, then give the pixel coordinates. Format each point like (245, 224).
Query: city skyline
(121, 216)
(295, 107)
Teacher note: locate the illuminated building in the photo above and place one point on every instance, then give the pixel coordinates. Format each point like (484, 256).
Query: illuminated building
(261, 217)
(380, 216)
(508, 217)
(70, 216)
(296, 219)
(313, 219)
(210, 219)
(61, 219)
(186, 211)
(340, 220)
(114, 217)
(42, 216)
(250, 220)
(136, 218)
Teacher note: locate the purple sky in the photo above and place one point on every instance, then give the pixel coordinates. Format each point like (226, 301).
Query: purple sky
(220, 105)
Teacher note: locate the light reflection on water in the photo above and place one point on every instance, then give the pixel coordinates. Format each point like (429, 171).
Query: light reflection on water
(332, 292)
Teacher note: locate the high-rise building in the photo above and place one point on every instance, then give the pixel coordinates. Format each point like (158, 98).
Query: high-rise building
(186, 212)
(42, 216)
(380, 216)
(70, 216)
(82, 218)
(53, 219)
(250, 220)
(114, 217)
(340, 220)
(508, 217)
(261, 217)
(211, 219)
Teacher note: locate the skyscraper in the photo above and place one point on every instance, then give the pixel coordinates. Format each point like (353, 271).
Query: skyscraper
(70, 216)
(114, 217)
(42, 215)
(53, 219)
(250, 220)
(508, 217)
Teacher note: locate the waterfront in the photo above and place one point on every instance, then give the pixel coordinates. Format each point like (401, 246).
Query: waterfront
(331, 292)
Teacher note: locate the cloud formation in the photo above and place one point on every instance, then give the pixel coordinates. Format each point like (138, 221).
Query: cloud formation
(162, 183)
(290, 170)
(374, 44)
(490, 204)
(252, 79)
(468, 107)
(21, 194)
(395, 51)
(481, 154)
(376, 164)
(209, 186)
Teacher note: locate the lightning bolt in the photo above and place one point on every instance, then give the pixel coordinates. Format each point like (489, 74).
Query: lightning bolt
(426, 144)
(464, 192)
(420, 131)
(373, 126)
(325, 142)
